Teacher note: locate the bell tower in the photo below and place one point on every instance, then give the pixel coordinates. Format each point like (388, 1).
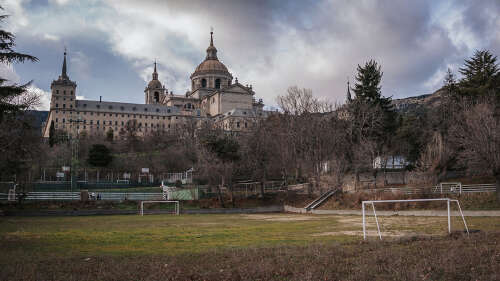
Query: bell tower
(63, 91)
(155, 91)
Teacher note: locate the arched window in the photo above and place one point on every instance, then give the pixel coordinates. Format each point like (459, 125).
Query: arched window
(217, 83)
(203, 83)
(157, 97)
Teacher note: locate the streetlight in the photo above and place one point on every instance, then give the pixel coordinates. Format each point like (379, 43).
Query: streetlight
(74, 149)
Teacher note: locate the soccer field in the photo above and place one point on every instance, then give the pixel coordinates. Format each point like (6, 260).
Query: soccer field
(27, 242)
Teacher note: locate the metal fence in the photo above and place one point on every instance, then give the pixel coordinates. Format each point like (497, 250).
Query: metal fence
(445, 188)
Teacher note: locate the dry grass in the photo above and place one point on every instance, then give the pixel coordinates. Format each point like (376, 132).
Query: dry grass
(244, 247)
(450, 258)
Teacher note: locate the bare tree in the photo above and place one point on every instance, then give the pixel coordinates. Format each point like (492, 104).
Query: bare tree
(478, 136)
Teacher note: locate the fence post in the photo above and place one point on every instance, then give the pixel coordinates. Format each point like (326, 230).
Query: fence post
(364, 226)
(449, 220)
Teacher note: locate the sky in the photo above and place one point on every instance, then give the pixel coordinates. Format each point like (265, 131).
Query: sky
(271, 45)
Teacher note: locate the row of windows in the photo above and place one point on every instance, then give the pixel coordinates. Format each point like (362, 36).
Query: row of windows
(104, 122)
(122, 115)
(64, 105)
(122, 108)
(217, 83)
(71, 99)
(64, 92)
(116, 128)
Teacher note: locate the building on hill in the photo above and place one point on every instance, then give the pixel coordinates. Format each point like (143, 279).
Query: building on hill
(214, 97)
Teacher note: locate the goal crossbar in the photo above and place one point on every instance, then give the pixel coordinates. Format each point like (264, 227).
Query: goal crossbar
(372, 202)
(141, 212)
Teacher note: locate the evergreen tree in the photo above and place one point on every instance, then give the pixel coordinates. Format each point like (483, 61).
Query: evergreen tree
(52, 134)
(110, 135)
(9, 92)
(368, 93)
(450, 83)
(367, 87)
(481, 75)
(99, 156)
(348, 95)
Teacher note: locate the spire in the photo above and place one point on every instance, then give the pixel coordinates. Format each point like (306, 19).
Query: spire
(211, 50)
(64, 75)
(155, 74)
(349, 98)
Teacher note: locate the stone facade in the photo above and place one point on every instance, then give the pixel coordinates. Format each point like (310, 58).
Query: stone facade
(213, 97)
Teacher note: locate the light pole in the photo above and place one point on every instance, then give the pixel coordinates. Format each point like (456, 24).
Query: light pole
(74, 149)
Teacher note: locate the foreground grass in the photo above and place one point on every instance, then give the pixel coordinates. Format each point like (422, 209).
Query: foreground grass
(231, 247)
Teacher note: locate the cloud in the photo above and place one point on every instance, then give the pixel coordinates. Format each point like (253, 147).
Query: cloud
(8, 72)
(43, 95)
(269, 44)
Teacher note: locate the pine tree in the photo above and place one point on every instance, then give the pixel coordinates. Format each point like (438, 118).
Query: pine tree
(367, 87)
(99, 156)
(368, 92)
(481, 75)
(348, 95)
(52, 136)
(9, 92)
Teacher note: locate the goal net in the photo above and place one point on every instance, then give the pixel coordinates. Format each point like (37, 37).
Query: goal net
(160, 207)
(373, 202)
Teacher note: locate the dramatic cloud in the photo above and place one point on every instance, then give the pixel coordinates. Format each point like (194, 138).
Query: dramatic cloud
(269, 44)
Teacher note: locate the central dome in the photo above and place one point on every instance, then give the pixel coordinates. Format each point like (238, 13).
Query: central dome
(210, 65)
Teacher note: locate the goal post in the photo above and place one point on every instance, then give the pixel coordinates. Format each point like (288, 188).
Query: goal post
(176, 205)
(373, 202)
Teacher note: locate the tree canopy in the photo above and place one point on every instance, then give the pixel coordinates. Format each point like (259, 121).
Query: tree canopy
(99, 156)
(11, 99)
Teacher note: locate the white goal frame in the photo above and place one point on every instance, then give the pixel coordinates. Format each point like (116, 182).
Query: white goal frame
(372, 202)
(177, 211)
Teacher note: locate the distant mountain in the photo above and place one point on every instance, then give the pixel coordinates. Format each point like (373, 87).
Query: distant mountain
(418, 103)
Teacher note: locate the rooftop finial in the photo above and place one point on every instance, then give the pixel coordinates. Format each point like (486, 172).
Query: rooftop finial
(155, 74)
(64, 73)
(211, 50)
(211, 36)
(349, 97)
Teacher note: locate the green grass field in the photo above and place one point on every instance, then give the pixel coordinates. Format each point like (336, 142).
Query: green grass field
(30, 243)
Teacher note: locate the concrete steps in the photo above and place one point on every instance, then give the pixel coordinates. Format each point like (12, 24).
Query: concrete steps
(318, 201)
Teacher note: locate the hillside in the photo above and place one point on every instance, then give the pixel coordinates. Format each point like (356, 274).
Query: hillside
(415, 104)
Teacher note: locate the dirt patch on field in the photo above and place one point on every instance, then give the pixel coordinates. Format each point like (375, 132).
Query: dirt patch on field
(360, 233)
(281, 217)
